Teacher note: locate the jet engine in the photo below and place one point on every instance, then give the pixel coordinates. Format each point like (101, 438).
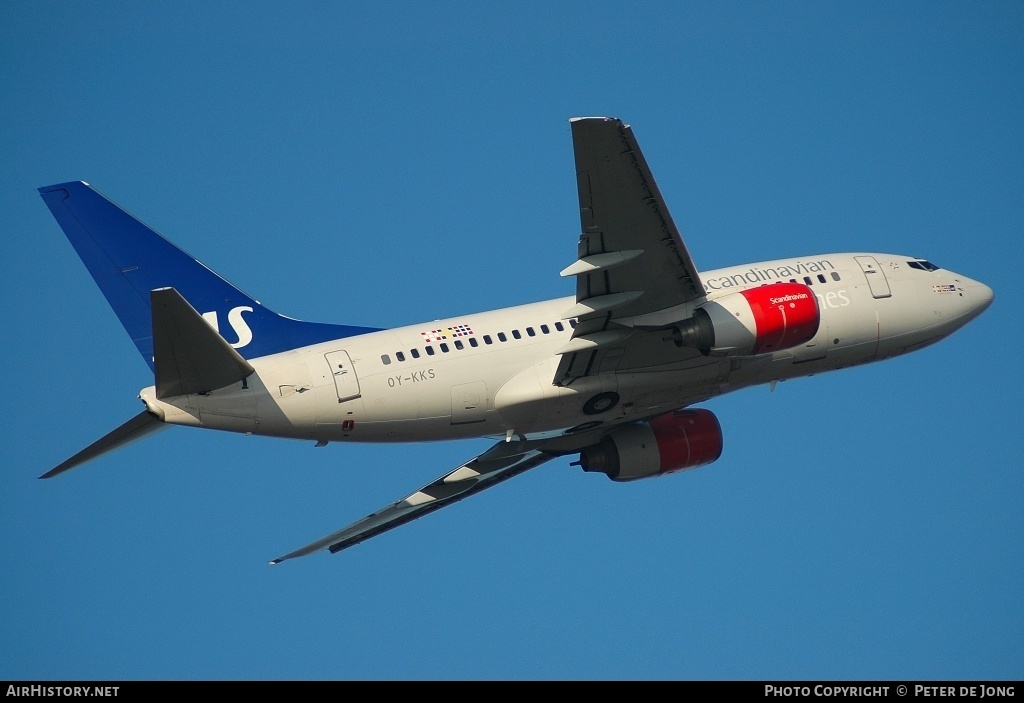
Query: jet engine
(675, 441)
(754, 321)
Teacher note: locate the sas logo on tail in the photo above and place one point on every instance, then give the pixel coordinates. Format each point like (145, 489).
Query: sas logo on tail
(237, 322)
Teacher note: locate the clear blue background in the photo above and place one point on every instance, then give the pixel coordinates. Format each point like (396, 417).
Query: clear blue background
(412, 161)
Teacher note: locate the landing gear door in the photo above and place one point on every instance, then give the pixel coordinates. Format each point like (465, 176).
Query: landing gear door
(876, 277)
(345, 380)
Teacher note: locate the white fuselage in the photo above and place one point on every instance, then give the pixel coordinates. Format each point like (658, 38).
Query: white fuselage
(491, 373)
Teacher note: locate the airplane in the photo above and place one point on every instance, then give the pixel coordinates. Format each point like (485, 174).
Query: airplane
(611, 374)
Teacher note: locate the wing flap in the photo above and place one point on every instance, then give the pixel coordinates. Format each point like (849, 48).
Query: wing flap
(500, 463)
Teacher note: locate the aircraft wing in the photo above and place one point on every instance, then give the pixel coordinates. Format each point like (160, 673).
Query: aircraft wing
(502, 461)
(632, 263)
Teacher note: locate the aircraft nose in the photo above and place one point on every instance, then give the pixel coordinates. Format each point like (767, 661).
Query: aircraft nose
(981, 296)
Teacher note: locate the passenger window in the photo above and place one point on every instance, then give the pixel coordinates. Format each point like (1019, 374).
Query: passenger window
(385, 358)
(835, 276)
(821, 278)
(415, 353)
(473, 342)
(529, 331)
(544, 329)
(400, 356)
(459, 344)
(559, 327)
(502, 337)
(808, 280)
(487, 339)
(444, 347)
(429, 350)
(572, 323)
(515, 333)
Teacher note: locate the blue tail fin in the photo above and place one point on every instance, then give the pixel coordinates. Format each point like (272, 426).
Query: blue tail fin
(128, 260)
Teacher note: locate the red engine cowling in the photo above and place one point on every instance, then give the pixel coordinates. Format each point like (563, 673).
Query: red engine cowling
(675, 441)
(754, 321)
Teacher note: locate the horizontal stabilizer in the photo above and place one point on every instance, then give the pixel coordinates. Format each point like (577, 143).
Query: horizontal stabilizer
(140, 426)
(189, 356)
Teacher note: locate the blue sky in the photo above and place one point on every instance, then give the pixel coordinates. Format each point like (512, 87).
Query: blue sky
(388, 163)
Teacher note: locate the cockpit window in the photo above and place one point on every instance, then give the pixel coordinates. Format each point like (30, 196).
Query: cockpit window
(922, 265)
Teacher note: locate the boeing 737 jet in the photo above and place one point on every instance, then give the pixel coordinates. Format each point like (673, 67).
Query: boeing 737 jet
(610, 375)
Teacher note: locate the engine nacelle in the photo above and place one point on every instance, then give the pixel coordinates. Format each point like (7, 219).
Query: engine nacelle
(754, 321)
(675, 441)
